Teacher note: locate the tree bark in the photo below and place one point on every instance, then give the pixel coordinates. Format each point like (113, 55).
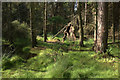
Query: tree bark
(102, 28)
(81, 35)
(32, 26)
(61, 9)
(53, 14)
(115, 18)
(8, 21)
(85, 14)
(45, 21)
(53, 11)
(119, 31)
(95, 29)
(106, 19)
(72, 7)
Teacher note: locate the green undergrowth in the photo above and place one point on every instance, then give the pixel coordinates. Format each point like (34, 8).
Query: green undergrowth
(62, 60)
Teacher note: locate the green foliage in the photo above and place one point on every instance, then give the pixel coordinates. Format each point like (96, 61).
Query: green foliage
(21, 34)
(57, 20)
(89, 29)
(52, 61)
(26, 49)
(61, 66)
(15, 43)
(20, 30)
(56, 23)
(7, 64)
(14, 61)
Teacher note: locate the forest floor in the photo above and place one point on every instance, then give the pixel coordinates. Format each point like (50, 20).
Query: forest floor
(56, 59)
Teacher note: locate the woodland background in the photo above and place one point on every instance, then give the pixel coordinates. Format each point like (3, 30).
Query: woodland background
(29, 50)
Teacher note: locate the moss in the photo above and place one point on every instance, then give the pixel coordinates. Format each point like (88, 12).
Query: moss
(53, 61)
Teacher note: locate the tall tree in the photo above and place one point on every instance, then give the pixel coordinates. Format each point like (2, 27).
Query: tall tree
(115, 18)
(45, 21)
(101, 44)
(32, 25)
(53, 9)
(85, 13)
(119, 24)
(81, 35)
(6, 22)
(22, 12)
(72, 7)
(95, 29)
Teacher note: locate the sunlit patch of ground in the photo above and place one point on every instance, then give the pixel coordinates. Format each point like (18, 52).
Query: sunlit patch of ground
(55, 59)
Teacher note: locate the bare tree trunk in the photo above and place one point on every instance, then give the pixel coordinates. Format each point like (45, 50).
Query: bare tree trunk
(53, 11)
(45, 22)
(53, 14)
(95, 29)
(56, 8)
(72, 7)
(81, 35)
(33, 35)
(61, 11)
(106, 28)
(119, 24)
(114, 22)
(9, 22)
(102, 27)
(115, 18)
(85, 14)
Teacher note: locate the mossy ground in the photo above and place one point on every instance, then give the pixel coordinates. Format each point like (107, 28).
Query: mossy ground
(62, 60)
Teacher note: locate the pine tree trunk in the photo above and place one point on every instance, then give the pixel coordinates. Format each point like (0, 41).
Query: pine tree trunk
(119, 23)
(102, 27)
(95, 29)
(61, 11)
(114, 13)
(53, 14)
(106, 28)
(81, 35)
(33, 35)
(72, 7)
(115, 18)
(9, 22)
(85, 14)
(45, 22)
(53, 11)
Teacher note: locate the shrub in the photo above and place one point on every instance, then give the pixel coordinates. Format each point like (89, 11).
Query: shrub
(17, 34)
